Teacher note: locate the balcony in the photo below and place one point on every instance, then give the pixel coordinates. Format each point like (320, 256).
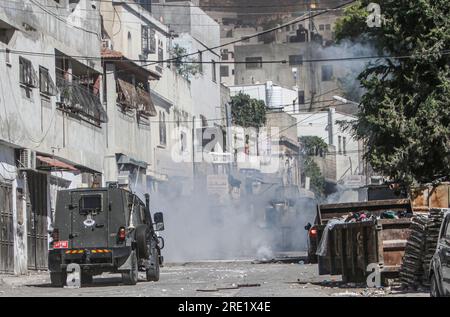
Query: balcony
(78, 100)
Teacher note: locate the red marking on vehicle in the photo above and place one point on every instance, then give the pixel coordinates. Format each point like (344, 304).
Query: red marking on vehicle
(61, 244)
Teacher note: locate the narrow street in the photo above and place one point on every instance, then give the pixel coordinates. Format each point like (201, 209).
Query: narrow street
(220, 279)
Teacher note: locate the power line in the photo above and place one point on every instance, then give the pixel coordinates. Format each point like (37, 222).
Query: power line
(295, 21)
(180, 5)
(176, 59)
(212, 24)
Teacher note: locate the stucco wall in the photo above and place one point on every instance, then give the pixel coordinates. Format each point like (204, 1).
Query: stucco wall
(28, 121)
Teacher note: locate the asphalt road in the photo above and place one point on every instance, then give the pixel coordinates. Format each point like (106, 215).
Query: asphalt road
(227, 279)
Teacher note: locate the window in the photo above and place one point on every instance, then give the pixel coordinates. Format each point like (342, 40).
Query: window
(214, 71)
(327, 27)
(183, 141)
(225, 54)
(339, 145)
(46, 85)
(129, 45)
(224, 71)
(148, 38)
(301, 97)
(321, 27)
(91, 204)
(253, 62)
(27, 74)
(144, 39)
(146, 4)
(295, 60)
(344, 144)
(8, 57)
(327, 72)
(160, 57)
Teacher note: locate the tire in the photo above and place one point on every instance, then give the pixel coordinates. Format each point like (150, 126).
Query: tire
(86, 278)
(142, 237)
(131, 277)
(58, 279)
(434, 288)
(152, 273)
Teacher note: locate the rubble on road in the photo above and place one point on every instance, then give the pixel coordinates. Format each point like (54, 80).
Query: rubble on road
(367, 292)
(346, 294)
(233, 286)
(420, 248)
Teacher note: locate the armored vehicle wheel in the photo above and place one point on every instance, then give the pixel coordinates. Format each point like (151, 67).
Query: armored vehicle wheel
(152, 273)
(131, 277)
(142, 236)
(58, 279)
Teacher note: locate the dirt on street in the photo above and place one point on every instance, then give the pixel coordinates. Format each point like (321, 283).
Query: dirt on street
(220, 279)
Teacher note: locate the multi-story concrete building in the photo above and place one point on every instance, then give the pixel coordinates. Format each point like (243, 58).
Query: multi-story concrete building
(316, 82)
(240, 22)
(132, 52)
(343, 163)
(198, 35)
(52, 122)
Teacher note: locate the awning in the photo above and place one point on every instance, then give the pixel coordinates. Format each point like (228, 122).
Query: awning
(49, 163)
(125, 159)
(145, 103)
(127, 95)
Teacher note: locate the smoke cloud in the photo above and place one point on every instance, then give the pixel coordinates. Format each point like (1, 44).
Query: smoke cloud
(198, 227)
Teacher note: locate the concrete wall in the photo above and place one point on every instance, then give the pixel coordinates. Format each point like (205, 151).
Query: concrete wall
(307, 77)
(31, 120)
(172, 90)
(203, 87)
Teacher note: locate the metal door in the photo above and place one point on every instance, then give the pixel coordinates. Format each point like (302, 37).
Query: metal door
(37, 221)
(6, 229)
(89, 226)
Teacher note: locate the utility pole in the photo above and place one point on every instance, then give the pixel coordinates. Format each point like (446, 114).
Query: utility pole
(312, 75)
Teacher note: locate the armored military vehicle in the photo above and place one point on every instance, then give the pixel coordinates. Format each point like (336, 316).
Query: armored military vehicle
(104, 230)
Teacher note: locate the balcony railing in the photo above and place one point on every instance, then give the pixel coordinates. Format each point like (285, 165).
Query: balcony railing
(78, 99)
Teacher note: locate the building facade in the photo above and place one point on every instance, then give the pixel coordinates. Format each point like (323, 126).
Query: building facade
(342, 163)
(53, 122)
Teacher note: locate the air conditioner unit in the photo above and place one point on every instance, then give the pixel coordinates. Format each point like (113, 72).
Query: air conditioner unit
(107, 43)
(27, 159)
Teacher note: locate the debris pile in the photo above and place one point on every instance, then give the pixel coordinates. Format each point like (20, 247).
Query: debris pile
(420, 248)
(433, 227)
(411, 272)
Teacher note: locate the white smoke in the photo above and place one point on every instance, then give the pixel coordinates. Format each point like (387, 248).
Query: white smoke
(199, 228)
